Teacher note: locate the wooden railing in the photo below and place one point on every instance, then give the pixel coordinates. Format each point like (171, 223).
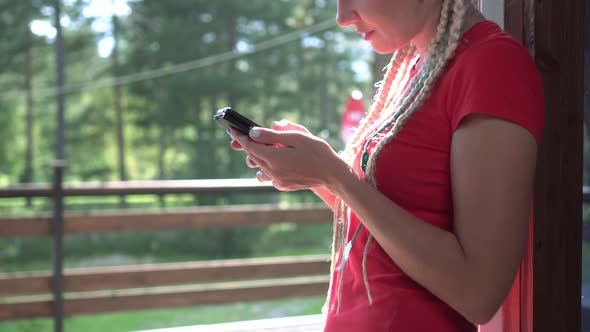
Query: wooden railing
(152, 220)
(97, 290)
(26, 295)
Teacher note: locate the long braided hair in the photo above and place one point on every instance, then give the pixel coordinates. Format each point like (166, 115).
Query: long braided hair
(396, 102)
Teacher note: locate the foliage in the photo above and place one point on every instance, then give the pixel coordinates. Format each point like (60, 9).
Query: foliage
(168, 119)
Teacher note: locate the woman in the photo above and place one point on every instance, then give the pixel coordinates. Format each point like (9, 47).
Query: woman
(432, 195)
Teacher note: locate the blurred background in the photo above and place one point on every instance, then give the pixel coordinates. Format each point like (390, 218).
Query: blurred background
(142, 82)
(177, 62)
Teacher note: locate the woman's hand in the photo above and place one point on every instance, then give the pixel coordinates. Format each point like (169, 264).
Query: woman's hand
(282, 125)
(290, 156)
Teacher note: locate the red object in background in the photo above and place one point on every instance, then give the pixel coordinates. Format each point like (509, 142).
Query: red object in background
(353, 113)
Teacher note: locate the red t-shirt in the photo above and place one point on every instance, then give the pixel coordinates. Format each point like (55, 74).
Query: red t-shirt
(491, 74)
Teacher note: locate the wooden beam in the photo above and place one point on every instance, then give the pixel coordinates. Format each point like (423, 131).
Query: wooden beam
(154, 220)
(25, 226)
(514, 18)
(554, 31)
(150, 275)
(185, 296)
(559, 48)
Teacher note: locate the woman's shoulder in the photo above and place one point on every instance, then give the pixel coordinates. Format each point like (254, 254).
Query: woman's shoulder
(487, 49)
(493, 73)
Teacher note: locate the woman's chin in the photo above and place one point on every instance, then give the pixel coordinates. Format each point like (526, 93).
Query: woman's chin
(383, 48)
(383, 51)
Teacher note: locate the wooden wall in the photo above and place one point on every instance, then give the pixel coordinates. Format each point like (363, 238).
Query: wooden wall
(558, 46)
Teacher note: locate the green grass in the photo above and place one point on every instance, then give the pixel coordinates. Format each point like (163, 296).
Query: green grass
(130, 249)
(41, 205)
(154, 319)
(115, 260)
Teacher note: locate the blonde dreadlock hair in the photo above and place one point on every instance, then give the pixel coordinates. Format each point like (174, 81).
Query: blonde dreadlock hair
(404, 99)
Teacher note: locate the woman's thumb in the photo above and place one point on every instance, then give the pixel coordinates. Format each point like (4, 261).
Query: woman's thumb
(261, 135)
(284, 125)
(272, 137)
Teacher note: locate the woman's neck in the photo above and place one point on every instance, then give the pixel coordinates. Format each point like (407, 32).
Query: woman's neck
(423, 40)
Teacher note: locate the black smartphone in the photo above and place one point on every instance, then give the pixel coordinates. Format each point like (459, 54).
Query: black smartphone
(230, 118)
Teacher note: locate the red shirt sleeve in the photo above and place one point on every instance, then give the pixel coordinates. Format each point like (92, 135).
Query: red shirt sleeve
(497, 77)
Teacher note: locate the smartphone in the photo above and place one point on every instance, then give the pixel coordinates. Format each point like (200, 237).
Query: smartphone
(230, 118)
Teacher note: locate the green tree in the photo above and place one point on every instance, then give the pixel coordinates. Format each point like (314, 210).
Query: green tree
(18, 46)
(167, 120)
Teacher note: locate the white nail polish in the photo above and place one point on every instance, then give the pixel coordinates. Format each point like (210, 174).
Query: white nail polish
(254, 132)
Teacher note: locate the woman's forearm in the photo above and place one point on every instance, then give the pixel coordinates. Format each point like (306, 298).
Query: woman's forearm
(326, 195)
(431, 256)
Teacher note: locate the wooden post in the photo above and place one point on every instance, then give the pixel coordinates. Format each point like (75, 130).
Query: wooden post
(58, 315)
(553, 31)
(57, 231)
(559, 47)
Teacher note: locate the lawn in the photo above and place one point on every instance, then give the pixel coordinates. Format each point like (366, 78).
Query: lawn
(154, 319)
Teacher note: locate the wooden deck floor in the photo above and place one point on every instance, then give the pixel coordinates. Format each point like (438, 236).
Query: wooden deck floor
(313, 323)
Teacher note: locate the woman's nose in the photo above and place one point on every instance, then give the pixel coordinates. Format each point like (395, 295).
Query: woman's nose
(346, 14)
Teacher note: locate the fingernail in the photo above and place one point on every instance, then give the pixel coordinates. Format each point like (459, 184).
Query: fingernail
(254, 132)
(281, 123)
